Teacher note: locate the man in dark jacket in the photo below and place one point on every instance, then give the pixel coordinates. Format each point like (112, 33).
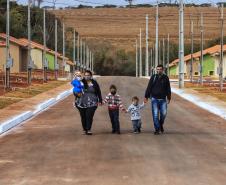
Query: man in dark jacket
(159, 91)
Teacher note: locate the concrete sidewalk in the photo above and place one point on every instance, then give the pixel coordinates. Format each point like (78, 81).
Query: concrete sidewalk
(206, 102)
(25, 109)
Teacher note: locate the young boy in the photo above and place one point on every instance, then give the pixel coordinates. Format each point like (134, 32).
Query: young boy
(134, 110)
(114, 104)
(77, 84)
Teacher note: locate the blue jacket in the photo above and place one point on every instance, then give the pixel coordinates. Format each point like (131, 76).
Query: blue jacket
(78, 86)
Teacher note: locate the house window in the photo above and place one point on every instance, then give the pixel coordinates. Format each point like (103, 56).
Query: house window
(211, 73)
(196, 73)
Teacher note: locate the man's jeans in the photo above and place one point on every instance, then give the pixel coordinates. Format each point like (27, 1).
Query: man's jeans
(159, 111)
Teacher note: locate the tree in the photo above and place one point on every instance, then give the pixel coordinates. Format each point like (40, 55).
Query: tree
(130, 2)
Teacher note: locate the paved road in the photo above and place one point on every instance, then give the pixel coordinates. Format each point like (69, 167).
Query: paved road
(51, 150)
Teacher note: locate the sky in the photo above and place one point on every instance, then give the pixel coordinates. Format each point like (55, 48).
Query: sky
(63, 3)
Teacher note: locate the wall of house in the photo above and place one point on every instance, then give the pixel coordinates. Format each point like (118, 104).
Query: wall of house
(208, 66)
(37, 56)
(173, 71)
(50, 59)
(23, 60)
(217, 60)
(15, 54)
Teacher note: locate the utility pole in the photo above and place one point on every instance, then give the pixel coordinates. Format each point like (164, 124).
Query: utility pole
(64, 62)
(157, 35)
(192, 51)
(147, 54)
(159, 53)
(221, 83)
(84, 56)
(87, 57)
(29, 59)
(163, 52)
(78, 59)
(56, 67)
(152, 62)
(74, 61)
(140, 54)
(168, 54)
(181, 44)
(137, 59)
(45, 62)
(201, 59)
(81, 55)
(9, 61)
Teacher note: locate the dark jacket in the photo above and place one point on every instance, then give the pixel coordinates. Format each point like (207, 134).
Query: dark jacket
(158, 87)
(96, 87)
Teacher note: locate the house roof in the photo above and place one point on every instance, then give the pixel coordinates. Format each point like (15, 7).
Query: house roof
(211, 50)
(70, 62)
(2, 44)
(41, 47)
(13, 40)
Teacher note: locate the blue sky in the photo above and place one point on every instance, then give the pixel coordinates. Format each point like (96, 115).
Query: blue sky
(115, 2)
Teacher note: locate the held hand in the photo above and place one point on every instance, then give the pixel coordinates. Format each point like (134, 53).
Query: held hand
(145, 100)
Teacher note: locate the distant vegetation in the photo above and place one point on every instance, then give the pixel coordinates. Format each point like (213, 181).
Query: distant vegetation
(143, 5)
(18, 25)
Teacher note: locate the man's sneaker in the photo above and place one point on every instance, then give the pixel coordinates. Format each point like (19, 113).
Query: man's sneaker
(135, 132)
(89, 132)
(139, 130)
(162, 129)
(156, 132)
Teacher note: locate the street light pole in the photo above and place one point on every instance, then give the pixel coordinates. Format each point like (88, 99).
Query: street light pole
(140, 54)
(136, 59)
(181, 44)
(78, 53)
(157, 35)
(222, 51)
(147, 54)
(44, 40)
(192, 51)
(29, 59)
(56, 67)
(201, 60)
(168, 54)
(7, 67)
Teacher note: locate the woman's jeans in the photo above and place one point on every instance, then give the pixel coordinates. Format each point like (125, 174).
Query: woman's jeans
(87, 115)
(159, 111)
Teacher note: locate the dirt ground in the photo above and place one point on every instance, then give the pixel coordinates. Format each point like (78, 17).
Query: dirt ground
(51, 150)
(121, 26)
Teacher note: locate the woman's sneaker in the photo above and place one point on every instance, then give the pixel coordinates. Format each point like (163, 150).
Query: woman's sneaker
(89, 132)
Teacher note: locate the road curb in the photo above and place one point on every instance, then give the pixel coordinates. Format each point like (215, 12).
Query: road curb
(18, 119)
(198, 102)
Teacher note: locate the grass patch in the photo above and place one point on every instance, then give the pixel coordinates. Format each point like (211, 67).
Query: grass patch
(4, 102)
(28, 92)
(211, 91)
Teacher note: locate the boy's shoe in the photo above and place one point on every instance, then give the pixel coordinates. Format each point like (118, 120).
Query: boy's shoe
(89, 132)
(162, 129)
(156, 132)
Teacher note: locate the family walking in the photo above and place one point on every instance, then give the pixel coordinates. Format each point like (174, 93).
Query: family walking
(88, 97)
